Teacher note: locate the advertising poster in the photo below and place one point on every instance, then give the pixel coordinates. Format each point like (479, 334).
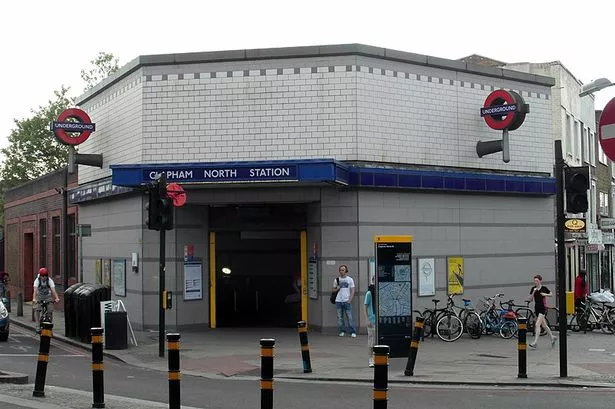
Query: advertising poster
(119, 277)
(193, 281)
(107, 272)
(455, 275)
(427, 277)
(98, 271)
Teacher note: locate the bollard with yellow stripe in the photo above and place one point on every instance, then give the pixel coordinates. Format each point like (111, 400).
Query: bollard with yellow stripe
(522, 346)
(174, 373)
(381, 376)
(43, 359)
(267, 345)
(98, 386)
(305, 348)
(414, 345)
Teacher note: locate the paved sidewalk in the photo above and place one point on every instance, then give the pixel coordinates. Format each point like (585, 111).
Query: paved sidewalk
(490, 360)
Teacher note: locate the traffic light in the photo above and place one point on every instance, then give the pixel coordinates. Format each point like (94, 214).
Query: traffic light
(152, 208)
(576, 182)
(159, 208)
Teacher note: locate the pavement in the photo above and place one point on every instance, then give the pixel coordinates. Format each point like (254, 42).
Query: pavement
(489, 361)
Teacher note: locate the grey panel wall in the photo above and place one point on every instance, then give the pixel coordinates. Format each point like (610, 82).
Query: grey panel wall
(504, 239)
(116, 234)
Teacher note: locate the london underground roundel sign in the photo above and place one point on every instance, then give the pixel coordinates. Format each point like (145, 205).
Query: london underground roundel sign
(606, 130)
(504, 110)
(73, 127)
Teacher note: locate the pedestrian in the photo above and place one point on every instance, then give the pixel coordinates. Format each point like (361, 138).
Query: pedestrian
(370, 311)
(4, 282)
(581, 289)
(44, 290)
(344, 285)
(540, 293)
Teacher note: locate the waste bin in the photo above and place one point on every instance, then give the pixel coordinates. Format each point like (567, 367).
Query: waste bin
(70, 314)
(116, 330)
(88, 298)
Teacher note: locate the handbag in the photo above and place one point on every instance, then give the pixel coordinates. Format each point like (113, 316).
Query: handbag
(334, 293)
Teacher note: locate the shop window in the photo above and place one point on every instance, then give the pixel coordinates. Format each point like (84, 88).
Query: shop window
(55, 250)
(42, 242)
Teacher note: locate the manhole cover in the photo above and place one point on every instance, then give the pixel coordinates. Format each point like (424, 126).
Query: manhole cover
(492, 356)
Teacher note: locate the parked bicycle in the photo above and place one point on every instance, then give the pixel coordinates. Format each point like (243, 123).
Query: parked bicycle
(472, 323)
(442, 321)
(591, 315)
(498, 320)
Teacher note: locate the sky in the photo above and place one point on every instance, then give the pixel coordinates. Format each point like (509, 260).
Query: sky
(45, 44)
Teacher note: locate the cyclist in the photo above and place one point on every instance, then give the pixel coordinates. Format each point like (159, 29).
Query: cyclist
(44, 290)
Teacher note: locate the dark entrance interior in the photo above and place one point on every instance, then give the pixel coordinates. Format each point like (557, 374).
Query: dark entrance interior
(28, 265)
(258, 264)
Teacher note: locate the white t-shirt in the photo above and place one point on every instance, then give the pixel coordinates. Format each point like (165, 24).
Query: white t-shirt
(49, 280)
(346, 283)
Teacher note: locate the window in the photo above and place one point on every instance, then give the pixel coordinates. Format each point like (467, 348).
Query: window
(568, 136)
(601, 155)
(55, 251)
(592, 148)
(592, 208)
(72, 247)
(585, 140)
(604, 204)
(42, 242)
(577, 141)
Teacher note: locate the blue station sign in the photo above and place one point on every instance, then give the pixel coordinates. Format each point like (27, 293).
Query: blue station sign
(225, 174)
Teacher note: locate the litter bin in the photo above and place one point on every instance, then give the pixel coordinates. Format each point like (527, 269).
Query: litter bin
(116, 330)
(70, 313)
(88, 298)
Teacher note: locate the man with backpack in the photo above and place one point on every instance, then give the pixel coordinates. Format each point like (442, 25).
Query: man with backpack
(370, 311)
(44, 290)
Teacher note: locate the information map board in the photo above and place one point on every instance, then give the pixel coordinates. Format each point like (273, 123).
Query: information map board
(394, 293)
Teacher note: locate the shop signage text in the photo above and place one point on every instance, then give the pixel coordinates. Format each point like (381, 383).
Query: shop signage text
(575, 225)
(225, 174)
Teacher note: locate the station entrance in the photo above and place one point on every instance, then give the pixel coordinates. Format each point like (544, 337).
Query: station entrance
(256, 264)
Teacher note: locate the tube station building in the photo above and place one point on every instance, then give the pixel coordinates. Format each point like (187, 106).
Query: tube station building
(293, 160)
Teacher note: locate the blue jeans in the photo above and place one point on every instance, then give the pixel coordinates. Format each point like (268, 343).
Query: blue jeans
(345, 308)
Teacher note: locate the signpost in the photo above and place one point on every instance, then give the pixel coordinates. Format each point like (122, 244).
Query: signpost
(606, 130)
(394, 293)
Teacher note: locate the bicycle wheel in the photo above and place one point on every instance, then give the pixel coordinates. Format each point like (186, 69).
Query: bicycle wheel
(449, 328)
(508, 329)
(473, 324)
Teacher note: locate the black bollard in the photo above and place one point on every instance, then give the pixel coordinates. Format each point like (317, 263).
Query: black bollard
(305, 348)
(174, 373)
(267, 373)
(381, 376)
(414, 345)
(43, 359)
(522, 346)
(98, 383)
(20, 305)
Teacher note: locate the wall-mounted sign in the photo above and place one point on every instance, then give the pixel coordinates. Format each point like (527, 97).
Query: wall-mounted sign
(204, 174)
(427, 277)
(504, 110)
(73, 127)
(193, 281)
(119, 277)
(607, 223)
(394, 289)
(455, 275)
(574, 225)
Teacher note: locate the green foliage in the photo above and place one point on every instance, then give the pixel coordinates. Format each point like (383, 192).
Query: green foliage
(33, 150)
(103, 65)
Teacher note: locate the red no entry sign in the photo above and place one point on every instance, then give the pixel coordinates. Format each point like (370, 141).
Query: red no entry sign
(73, 127)
(606, 130)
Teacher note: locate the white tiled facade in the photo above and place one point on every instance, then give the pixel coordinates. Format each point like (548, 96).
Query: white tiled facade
(349, 108)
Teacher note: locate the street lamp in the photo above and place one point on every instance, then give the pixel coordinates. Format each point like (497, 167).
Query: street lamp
(594, 86)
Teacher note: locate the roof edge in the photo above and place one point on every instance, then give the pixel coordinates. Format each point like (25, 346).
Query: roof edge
(307, 52)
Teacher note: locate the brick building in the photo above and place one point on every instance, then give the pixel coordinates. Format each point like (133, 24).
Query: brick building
(299, 156)
(34, 233)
